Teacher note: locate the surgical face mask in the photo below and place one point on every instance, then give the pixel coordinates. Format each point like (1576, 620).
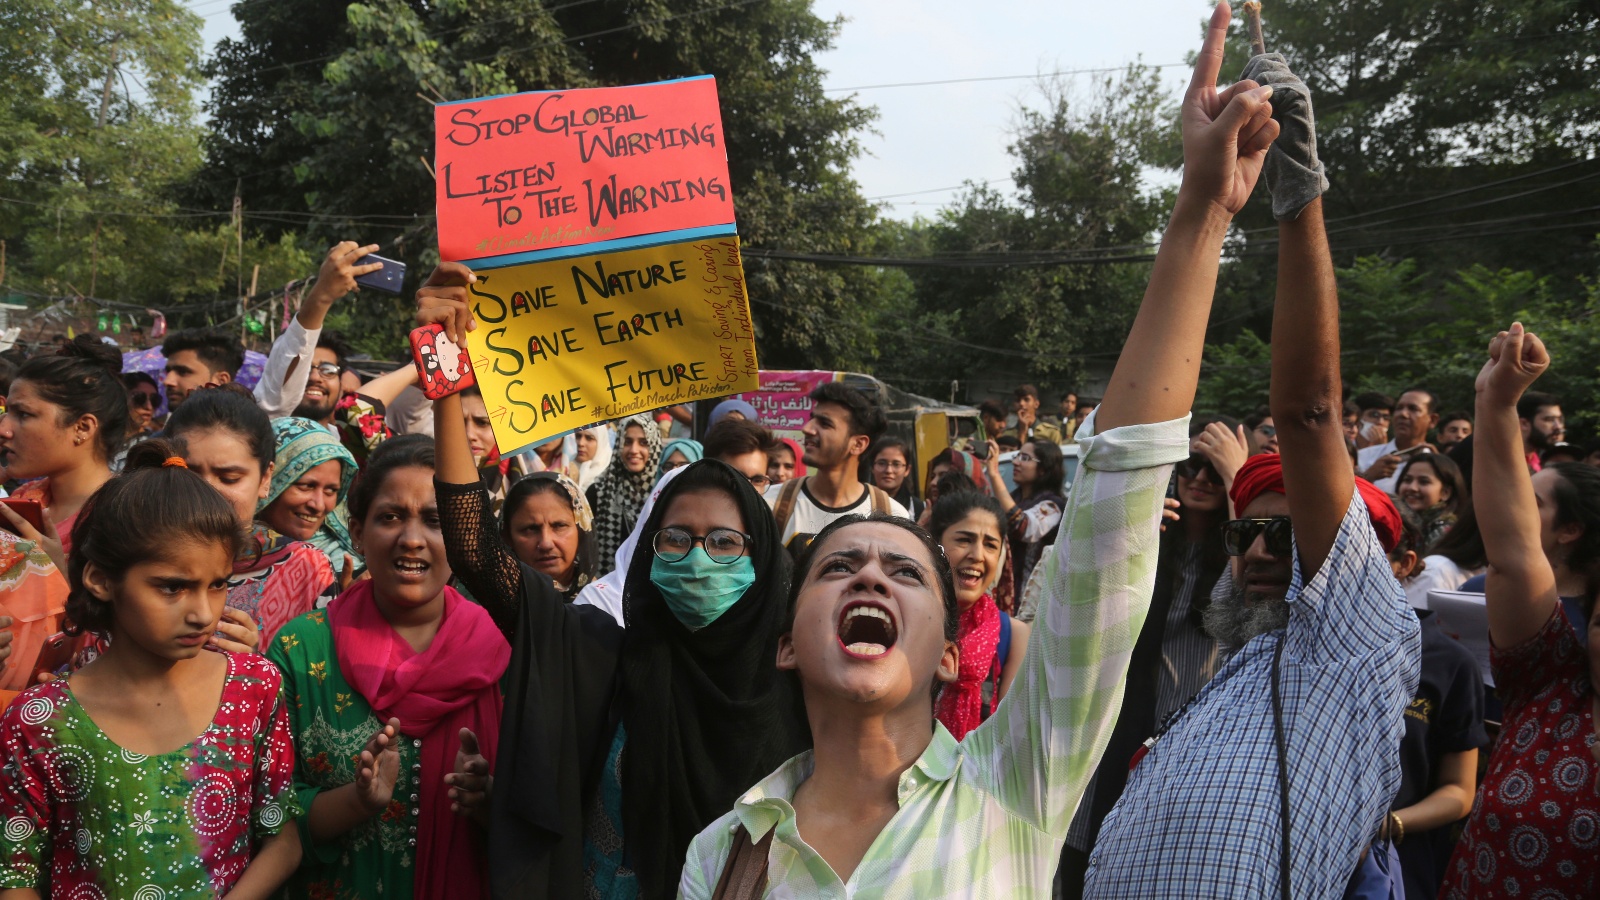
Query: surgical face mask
(699, 589)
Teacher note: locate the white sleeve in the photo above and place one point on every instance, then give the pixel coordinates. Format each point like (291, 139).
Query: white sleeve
(282, 382)
(606, 592)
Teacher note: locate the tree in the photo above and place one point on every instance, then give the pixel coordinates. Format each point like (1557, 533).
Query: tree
(97, 124)
(330, 117)
(1081, 191)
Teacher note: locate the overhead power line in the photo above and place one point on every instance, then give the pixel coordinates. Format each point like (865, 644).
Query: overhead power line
(974, 80)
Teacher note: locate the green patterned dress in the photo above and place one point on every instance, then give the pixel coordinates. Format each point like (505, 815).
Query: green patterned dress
(84, 817)
(332, 724)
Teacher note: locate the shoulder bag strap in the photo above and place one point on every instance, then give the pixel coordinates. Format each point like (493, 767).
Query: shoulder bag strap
(880, 500)
(785, 504)
(1283, 768)
(744, 876)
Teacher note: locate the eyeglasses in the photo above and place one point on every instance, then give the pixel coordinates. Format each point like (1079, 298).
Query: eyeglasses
(328, 370)
(144, 398)
(1024, 457)
(723, 545)
(1239, 534)
(759, 482)
(669, 466)
(1267, 430)
(889, 465)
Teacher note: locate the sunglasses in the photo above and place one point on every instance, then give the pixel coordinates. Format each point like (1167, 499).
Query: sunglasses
(145, 399)
(1267, 430)
(1195, 465)
(1239, 534)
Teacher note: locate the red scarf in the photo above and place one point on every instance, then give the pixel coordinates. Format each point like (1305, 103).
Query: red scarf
(454, 684)
(961, 702)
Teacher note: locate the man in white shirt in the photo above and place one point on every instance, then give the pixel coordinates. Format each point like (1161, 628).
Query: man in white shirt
(287, 386)
(844, 423)
(1415, 414)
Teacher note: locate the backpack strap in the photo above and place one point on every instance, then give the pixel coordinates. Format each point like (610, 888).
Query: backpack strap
(881, 501)
(1003, 651)
(744, 875)
(785, 504)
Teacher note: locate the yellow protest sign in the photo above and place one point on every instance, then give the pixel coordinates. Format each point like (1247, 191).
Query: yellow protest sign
(571, 342)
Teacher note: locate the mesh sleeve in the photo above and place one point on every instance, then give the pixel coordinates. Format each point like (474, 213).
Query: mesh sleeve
(476, 553)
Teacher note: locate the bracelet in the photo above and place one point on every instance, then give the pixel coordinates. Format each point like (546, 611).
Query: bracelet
(1397, 829)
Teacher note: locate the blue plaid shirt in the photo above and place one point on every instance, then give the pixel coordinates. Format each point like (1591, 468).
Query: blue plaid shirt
(1200, 816)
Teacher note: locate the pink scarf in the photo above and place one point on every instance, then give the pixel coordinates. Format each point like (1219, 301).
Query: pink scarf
(454, 684)
(961, 702)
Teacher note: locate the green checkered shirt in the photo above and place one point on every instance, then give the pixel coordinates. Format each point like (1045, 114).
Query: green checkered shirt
(986, 817)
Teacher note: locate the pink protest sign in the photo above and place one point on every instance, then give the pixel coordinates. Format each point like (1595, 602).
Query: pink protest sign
(548, 174)
(784, 401)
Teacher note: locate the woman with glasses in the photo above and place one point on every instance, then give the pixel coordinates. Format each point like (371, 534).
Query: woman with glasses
(1034, 512)
(622, 741)
(888, 466)
(679, 453)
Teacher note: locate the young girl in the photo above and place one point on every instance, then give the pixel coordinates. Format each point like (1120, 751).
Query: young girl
(1035, 513)
(227, 440)
(159, 769)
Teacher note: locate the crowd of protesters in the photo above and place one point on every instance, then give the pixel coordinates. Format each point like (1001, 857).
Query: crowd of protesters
(316, 639)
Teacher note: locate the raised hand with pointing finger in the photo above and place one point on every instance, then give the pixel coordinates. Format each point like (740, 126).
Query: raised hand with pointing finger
(1225, 133)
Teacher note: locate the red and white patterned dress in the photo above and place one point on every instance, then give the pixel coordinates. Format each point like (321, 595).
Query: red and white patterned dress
(1535, 827)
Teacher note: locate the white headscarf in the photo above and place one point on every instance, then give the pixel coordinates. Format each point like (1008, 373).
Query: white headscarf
(591, 470)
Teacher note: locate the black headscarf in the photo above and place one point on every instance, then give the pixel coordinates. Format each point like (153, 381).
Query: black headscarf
(706, 712)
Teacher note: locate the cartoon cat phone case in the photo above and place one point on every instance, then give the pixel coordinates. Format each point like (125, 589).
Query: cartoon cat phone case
(445, 367)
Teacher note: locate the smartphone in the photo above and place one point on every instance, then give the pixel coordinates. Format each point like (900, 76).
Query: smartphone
(55, 655)
(1420, 448)
(387, 279)
(31, 510)
(445, 367)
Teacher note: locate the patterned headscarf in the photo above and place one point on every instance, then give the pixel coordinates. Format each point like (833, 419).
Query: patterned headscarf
(302, 446)
(619, 495)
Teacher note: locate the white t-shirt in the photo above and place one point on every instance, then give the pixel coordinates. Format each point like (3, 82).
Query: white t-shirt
(808, 517)
(1439, 573)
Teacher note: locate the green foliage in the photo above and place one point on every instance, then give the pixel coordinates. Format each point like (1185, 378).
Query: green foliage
(1396, 332)
(1081, 188)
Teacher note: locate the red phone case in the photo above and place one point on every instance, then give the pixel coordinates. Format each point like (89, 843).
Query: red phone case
(30, 510)
(446, 368)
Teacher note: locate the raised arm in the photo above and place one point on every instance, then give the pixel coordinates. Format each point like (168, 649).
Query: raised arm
(1521, 586)
(1047, 737)
(1225, 139)
(1305, 394)
(283, 379)
(477, 555)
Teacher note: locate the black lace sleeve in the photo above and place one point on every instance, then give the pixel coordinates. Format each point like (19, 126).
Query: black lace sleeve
(476, 553)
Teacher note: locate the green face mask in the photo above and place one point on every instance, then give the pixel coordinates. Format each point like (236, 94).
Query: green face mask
(699, 589)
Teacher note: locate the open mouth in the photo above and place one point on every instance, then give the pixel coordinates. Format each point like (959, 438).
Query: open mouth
(313, 521)
(412, 569)
(969, 578)
(866, 630)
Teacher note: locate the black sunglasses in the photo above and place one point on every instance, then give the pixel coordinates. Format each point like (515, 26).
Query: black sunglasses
(1239, 534)
(1195, 464)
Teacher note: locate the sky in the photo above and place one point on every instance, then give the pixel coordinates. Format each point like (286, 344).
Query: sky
(930, 139)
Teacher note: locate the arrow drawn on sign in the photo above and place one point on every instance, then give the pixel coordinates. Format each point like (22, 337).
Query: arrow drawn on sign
(498, 414)
(479, 362)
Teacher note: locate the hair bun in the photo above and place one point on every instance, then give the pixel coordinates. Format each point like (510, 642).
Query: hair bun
(152, 453)
(90, 348)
